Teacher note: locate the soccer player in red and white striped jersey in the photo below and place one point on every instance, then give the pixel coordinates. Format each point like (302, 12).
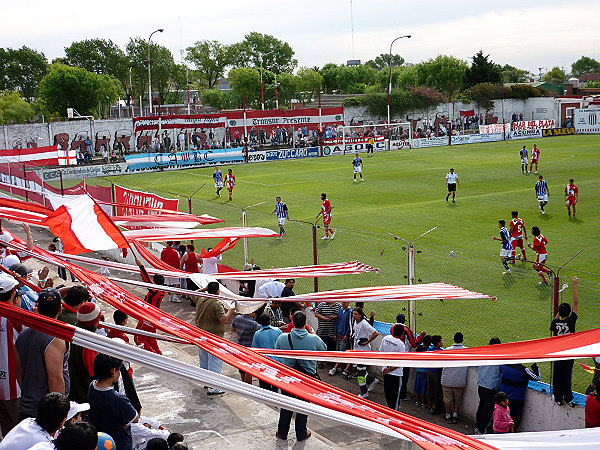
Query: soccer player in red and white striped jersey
(517, 233)
(539, 246)
(571, 196)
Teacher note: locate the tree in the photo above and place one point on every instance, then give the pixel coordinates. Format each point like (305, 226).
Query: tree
(440, 72)
(309, 82)
(555, 76)
(585, 65)
(22, 70)
(210, 58)
(162, 65)
(73, 87)
(247, 81)
(13, 109)
(510, 74)
(275, 55)
(383, 61)
(100, 56)
(482, 70)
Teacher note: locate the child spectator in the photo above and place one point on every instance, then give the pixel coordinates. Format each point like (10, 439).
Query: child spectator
(110, 412)
(503, 423)
(434, 378)
(421, 376)
(120, 318)
(488, 382)
(514, 381)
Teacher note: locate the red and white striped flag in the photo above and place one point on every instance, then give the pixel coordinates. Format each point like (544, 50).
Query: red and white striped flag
(221, 247)
(37, 156)
(83, 226)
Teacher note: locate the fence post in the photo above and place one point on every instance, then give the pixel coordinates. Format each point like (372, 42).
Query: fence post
(556, 294)
(412, 314)
(26, 184)
(62, 188)
(245, 239)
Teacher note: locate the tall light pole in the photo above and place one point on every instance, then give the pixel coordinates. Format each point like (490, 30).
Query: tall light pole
(390, 83)
(160, 30)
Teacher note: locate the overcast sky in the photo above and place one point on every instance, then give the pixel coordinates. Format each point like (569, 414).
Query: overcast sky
(527, 35)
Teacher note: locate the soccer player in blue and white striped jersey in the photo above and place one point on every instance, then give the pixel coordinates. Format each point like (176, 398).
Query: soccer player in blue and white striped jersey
(506, 249)
(542, 191)
(281, 212)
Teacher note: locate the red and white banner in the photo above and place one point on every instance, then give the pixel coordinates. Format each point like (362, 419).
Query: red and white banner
(178, 234)
(323, 270)
(587, 120)
(67, 157)
(221, 247)
(353, 140)
(294, 118)
(37, 156)
(494, 128)
(533, 125)
(83, 226)
(164, 220)
(125, 196)
(175, 121)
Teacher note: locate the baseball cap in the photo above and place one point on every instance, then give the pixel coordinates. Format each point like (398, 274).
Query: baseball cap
(400, 318)
(5, 237)
(6, 283)
(10, 260)
(20, 269)
(76, 408)
(88, 314)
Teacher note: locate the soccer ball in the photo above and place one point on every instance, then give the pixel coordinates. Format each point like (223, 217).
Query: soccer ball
(105, 442)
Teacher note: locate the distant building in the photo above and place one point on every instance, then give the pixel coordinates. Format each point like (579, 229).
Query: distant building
(353, 62)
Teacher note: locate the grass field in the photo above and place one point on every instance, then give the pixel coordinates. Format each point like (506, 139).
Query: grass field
(404, 195)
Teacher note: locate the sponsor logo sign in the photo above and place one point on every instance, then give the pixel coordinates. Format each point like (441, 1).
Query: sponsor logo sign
(357, 147)
(523, 134)
(493, 128)
(533, 125)
(430, 142)
(294, 118)
(399, 145)
(79, 172)
(587, 120)
(191, 158)
(558, 132)
(179, 121)
(292, 153)
(475, 138)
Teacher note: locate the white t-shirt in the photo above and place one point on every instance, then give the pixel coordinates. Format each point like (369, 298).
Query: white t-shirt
(393, 344)
(43, 446)
(452, 177)
(209, 265)
(362, 329)
(25, 435)
(271, 289)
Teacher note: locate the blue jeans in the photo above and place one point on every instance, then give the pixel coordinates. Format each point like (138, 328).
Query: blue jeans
(209, 362)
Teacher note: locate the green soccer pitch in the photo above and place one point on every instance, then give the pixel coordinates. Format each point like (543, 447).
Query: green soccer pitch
(404, 194)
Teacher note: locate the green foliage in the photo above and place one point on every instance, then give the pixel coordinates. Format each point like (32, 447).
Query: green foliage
(247, 81)
(556, 76)
(522, 92)
(348, 79)
(482, 70)
(482, 94)
(22, 70)
(351, 101)
(592, 85)
(210, 59)
(309, 83)
(257, 48)
(383, 61)
(585, 65)
(13, 109)
(510, 74)
(440, 72)
(73, 87)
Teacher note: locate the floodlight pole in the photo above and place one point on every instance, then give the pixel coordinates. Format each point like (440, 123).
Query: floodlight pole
(390, 83)
(412, 314)
(160, 30)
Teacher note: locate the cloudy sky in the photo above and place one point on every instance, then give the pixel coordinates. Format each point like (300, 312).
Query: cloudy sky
(529, 35)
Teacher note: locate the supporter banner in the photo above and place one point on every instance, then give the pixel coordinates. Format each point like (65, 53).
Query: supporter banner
(179, 121)
(587, 120)
(533, 124)
(494, 128)
(36, 156)
(79, 172)
(458, 139)
(357, 140)
(401, 144)
(267, 120)
(430, 142)
(190, 158)
(523, 134)
(136, 198)
(558, 132)
(339, 149)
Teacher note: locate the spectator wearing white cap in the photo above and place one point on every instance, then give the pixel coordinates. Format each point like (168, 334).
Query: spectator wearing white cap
(81, 361)
(10, 364)
(28, 296)
(6, 237)
(44, 358)
(76, 410)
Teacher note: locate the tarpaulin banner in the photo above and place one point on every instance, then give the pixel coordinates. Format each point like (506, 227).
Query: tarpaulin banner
(126, 196)
(587, 120)
(558, 132)
(430, 142)
(494, 128)
(533, 124)
(359, 147)
(352, 140)
(79, 172)
(399, 145)
(523, 134)
(469, 113)
(458, 139)
(190, 158)
(176, 121)
(294, 118)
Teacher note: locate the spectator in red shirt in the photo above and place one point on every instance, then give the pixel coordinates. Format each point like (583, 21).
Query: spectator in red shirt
(154, 297)
(592, 409)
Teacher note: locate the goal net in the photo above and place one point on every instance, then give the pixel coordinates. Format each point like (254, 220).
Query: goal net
(356, 138)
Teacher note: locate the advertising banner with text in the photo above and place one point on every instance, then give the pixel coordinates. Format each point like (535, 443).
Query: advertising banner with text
(294, 118)
(523, 134)
(533, 125)
(558, 132)
(178, 121)
(79, 172)
(399, 145)
(493, 128)
(182, 160)
(356, 147)
(276, 155)
(430, 142)
(137, 198)
(458, 139)
(587, 120)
